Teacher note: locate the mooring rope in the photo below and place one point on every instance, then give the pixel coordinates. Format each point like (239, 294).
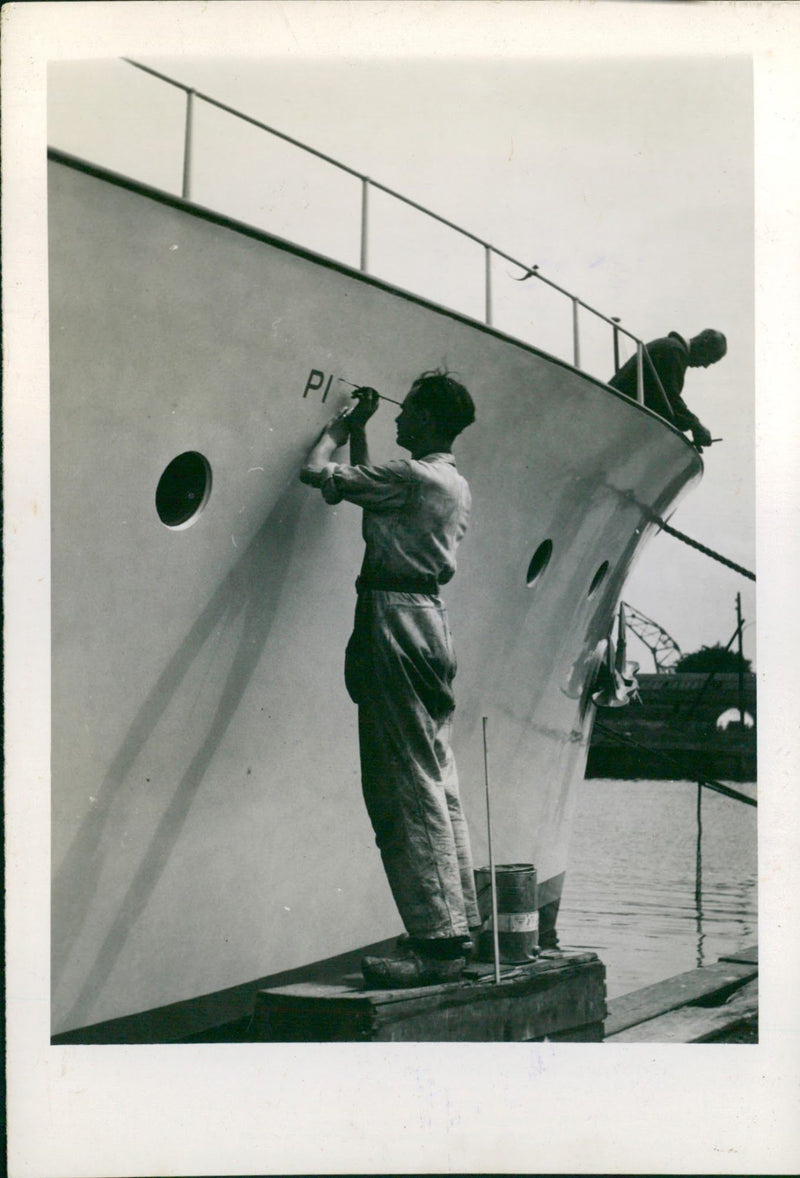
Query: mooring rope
(737, 568)
(708, 783)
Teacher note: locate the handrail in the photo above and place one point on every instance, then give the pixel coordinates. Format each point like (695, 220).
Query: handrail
(231, 110)
(531, 271)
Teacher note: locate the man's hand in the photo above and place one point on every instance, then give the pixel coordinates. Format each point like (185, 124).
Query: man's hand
(347, 423)
(700, 436)
(338, 428)
(334, 435)
(366, 404)
(353, 417)
(359, 414)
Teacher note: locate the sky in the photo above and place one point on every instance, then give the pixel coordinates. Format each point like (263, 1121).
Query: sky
(628, 181)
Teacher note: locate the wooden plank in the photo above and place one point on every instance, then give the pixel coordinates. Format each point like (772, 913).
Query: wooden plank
(747, 956)
(651, 1001)
(513, 980)
(395, 1003)
(695, 1024)
(556, 994)
(512, 1016)
(593, 1033)
(351, 987)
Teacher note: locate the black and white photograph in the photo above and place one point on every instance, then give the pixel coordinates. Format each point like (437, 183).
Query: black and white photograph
(403, 598)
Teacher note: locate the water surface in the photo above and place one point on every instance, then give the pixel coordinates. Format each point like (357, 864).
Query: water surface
(631, 892)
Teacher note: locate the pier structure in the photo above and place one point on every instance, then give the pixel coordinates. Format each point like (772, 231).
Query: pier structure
(715, 1004)
(558, 996)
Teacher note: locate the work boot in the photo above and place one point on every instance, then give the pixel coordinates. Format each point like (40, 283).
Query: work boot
(469, 943)
(413, 969)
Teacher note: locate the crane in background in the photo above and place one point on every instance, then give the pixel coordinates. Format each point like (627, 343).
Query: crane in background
(664, 649)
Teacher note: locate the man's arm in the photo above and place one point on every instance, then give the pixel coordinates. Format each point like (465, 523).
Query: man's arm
(357, 420)
(332, 437)
(673, 376)
(359, 450)
(349, 422)
(687, 421)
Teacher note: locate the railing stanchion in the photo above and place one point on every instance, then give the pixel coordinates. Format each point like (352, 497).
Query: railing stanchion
(187, 147)
(639, 373)
(488, 308)
(615, 321)
(576, 345)
(364, 221)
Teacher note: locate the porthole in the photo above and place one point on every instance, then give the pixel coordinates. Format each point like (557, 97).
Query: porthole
(539, 561)
(598, 578)
(183, 490)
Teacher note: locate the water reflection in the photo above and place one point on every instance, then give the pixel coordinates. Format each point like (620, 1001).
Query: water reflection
(645, 892)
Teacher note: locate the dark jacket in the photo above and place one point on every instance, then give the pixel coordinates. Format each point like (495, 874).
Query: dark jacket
(670, 358)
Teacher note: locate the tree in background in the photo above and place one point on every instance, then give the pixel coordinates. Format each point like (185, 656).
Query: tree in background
(712, 658)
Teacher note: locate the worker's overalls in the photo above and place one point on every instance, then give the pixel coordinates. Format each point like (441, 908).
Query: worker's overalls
(399, 669)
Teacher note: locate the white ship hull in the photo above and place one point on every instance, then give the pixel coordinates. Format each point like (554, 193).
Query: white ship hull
(208, 827)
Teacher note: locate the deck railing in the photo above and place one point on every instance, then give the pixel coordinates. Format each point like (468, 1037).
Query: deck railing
(368, 183)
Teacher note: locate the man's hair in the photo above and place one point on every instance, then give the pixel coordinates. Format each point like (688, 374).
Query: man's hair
(447, 401)
(712, 342)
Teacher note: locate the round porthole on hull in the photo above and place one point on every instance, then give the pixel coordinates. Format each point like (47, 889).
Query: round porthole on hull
(539, 561)
(598, 578)
(183, 490)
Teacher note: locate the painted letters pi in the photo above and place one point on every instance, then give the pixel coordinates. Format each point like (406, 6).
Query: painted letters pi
(314, 382)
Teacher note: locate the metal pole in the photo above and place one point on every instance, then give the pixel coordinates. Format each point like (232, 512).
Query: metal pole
(616, 343)
(739, 629)
(364, 221)
(187, 146)
(698, 882)
(639, 372)
(488, 258)
(741, 658)
(576, 347)
(495, 932)
(698, 875)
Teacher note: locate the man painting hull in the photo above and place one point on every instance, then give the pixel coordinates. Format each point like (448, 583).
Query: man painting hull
(400, 665)
(666, 361)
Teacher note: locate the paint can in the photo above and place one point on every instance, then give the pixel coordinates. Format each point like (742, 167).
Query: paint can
(517, 913)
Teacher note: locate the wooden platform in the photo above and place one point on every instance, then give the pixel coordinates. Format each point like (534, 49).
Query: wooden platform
(560, 996)
(700, 1006)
